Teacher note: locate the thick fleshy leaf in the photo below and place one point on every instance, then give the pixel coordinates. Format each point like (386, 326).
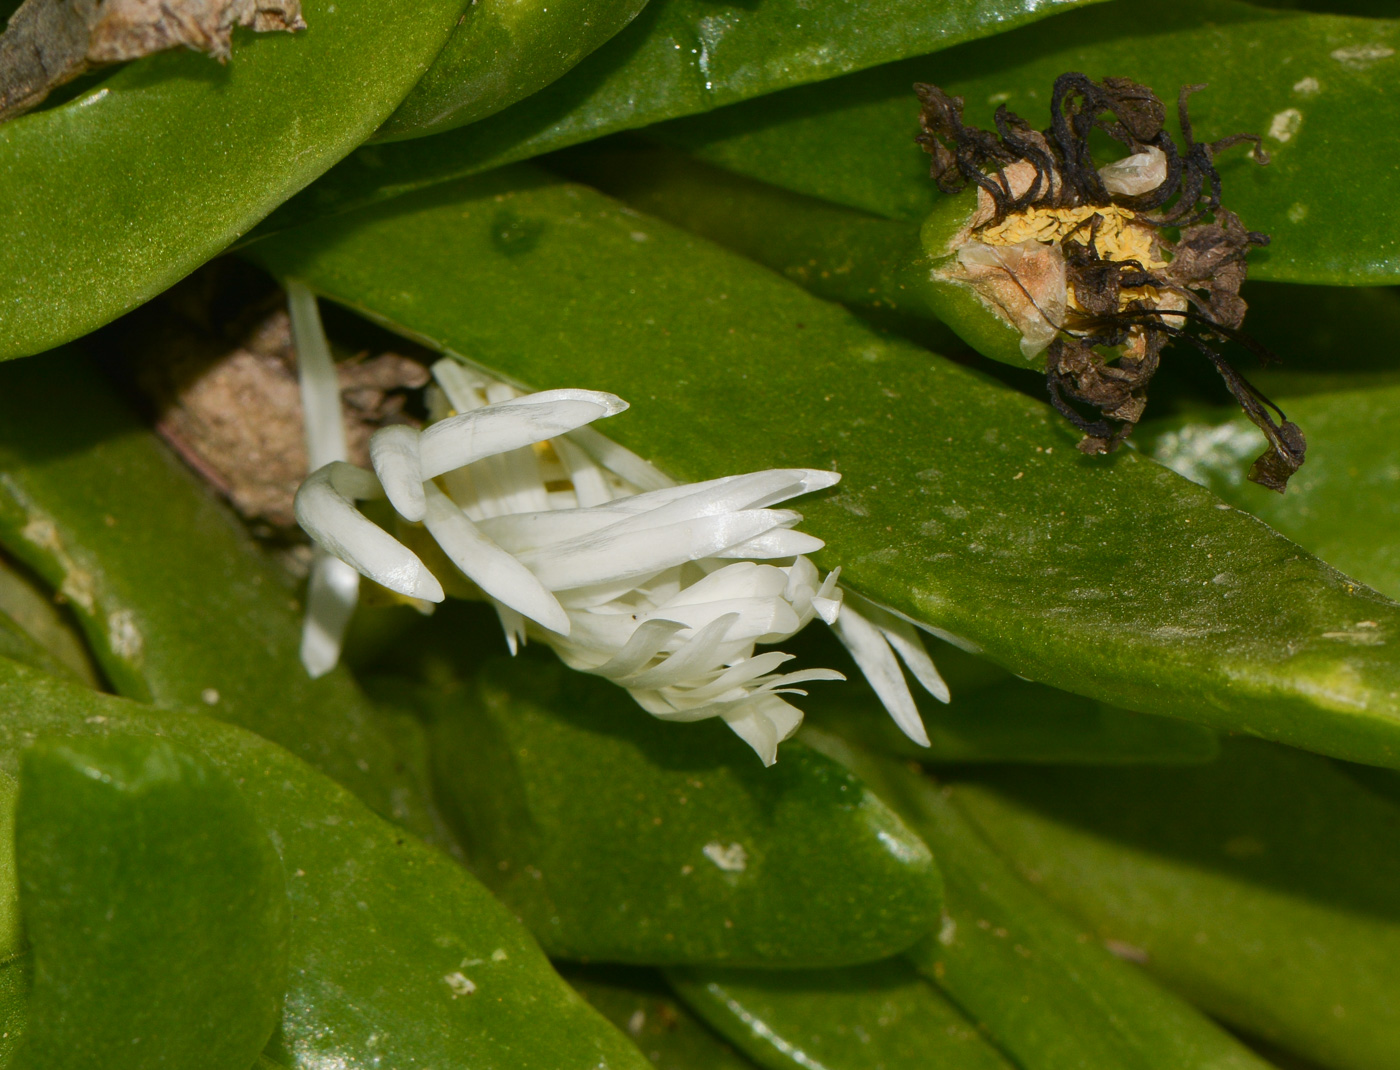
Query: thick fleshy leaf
(883, 1014)
(1343, 506)
(621, 838)
(155, 907)
(667, 1033)
(117, 194)
(396, 954)
(178, 605)
(678, 57)
(1045, 993)
(1265, 887)
(963, 504)
(1328, 89)
(504, 51)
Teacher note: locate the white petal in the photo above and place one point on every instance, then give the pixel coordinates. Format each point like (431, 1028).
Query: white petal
(513, 625)
(744, 672)
(320, 387)
(394, 453)
(779, 543)
(645, 643)
(619, 460)
(325, 510)
(877, 662)
(764, 722)
(590, 484)
(470, 436)
(465, 389)
(609, 555)
(905, 640)
(488, 566)
(765, 620)
(692, 660)
(331, 594)
(1140, 173)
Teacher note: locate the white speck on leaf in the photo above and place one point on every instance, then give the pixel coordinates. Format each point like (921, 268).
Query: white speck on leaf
(1285, 124)
(460, 984)
(1359, 57)
(731, 859)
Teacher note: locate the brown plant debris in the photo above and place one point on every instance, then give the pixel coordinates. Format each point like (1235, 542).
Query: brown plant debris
(50, 42)
(1102, 267)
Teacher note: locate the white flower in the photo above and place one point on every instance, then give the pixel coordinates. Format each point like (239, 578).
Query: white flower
(666, 590)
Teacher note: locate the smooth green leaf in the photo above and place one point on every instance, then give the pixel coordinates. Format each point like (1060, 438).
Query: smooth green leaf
(113, 196)
(677, 58)
(1344, 505)
(1265, 887)
(963, 504)
(397, 955)
(178, 605)
(879, 1015)
(504, 51)
(665, 1031)
(1046, 994)
(621, 838)
(1321, 89)
(155, 906)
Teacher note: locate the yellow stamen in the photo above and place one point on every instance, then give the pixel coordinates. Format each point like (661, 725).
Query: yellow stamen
(1120, 236)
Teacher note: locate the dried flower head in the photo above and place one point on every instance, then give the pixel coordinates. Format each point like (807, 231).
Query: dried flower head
(1101, 267)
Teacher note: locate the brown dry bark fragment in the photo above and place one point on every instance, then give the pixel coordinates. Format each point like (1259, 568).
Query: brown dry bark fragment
(50, 42)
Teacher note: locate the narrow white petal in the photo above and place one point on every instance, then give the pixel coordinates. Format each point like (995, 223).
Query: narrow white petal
(465, 390)
(782, 542)
(606, 555)
(905, 640)
(744, 672)
(877, 662)
(763, 722)
(590, 484)
(513, 625)
(538, 530)
(766, 620)
(619, 460)
(692, 660)
(320, 388)
(488, 566)
(394, 453)
(331, 594)
(470, 436)
(645, 643)
(326, 512)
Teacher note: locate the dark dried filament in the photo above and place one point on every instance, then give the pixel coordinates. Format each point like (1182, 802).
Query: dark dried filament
(1205, 265)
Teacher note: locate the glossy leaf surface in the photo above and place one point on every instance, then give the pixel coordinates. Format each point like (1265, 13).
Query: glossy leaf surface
(882, 1014)
(113, 196)
(621, 838)
(1264, 887)
(1345, 503)
(1320, 88)
(179, 607)
(502, 52)
(677, 58)
(155, 905)
(386, 933)
(1046, 994)
(640, 1002)
(963, 504)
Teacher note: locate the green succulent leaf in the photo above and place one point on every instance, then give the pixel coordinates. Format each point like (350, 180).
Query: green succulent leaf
(396, 954)
(620, 838)
(677, 58)
(1319, 88)
(1344, 505)
(963, 504)
(667, 1033)
(155, 906)
(1045, 993)
(1264, 887)
(180, 608)
(882, 1014)
(113, 196)
(503, 52)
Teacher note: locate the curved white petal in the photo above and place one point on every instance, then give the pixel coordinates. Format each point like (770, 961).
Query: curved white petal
(470, 436)
(877, 662)
(331, 593)
(496, 572)
(393, 451)
(325, 508)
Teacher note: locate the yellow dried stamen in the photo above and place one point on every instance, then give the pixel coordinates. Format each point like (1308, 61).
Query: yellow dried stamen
(1120, 236)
